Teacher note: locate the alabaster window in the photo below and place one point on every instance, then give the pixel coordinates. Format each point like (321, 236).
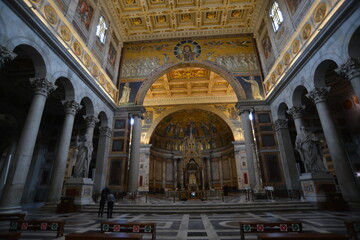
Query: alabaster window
(101, 30)
(276, 16)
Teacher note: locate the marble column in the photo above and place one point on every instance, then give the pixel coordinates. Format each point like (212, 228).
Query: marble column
(343, 171)
(91, 122)
(175, 172)
(102, 159)
(297, 113)
(135, 153)
(57, 176)
(208, 165)
(249, 145)
(351, 70)
(221, 175)
(287, 155)
(19, 170)
(164, 173)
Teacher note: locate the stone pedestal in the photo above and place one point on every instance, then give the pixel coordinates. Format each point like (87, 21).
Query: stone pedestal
(317, 186)
(80, 189)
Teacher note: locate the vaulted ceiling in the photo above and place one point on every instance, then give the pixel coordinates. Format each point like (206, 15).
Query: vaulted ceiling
(157, 19)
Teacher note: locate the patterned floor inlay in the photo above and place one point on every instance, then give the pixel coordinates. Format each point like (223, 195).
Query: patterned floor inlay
(192, 226)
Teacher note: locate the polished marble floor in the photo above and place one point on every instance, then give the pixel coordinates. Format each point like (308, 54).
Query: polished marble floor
(193, 226)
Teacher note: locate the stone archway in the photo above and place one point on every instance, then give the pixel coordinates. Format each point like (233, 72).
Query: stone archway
(152, 77)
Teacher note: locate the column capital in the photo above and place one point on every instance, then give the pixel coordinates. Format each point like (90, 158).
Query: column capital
(296, 111)
(137, 115)
(318, 94)
(6, 55)
(243, 109)
(281, 124)
(350, 69)
(42, 86)
(91, 121)
(105, 131)
(71, 107)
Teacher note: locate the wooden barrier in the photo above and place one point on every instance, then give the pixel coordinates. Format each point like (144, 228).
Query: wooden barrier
(39, 225)
(269, 227)
(353, 229)
(102, 236)
(12, 216)
(301, 236)
(133, 227)
(10, 235)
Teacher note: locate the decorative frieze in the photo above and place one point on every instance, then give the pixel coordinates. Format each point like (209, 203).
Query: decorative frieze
(318, 94)
(350, 69)
(71, 107)
(42, 86)
(281, 124)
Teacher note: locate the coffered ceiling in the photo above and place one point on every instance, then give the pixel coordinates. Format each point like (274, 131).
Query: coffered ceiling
(189, 82)
(156, 19)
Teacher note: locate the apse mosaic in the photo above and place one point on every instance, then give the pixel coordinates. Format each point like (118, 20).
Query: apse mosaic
(204, 126)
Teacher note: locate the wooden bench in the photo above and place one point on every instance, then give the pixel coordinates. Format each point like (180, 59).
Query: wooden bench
(133, 227)
(102, 236)
(41, 225)
(10, 235)
(353, 229)
(12, 216)
(269, 227)
(301, 236)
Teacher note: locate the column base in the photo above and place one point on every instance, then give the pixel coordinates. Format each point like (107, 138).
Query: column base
(320, 188)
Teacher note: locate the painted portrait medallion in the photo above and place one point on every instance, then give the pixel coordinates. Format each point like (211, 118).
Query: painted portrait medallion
(95, 71)
(320, 12)
(65, 33)
(279, 69)
(306, 31)
(87, 60)
(102, 79)
(50, 15)
(187, 50)
(295, 46)
(77, 48)
(273, 78)
(287, 58)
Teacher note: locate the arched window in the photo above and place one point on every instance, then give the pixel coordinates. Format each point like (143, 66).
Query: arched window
(101, 29)
(276, 16)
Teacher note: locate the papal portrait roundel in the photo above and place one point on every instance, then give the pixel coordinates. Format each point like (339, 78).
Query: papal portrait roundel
(187, 50)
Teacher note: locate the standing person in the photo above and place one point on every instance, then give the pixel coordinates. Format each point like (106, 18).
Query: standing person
(110, 204)
(103, 200)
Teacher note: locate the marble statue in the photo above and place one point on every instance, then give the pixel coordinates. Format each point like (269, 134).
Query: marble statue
(307, 144)
(85, 148)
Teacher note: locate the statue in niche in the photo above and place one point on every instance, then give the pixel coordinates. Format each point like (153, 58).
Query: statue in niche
(307, 144)
(83, 159)
(255, 89)
(125, 94)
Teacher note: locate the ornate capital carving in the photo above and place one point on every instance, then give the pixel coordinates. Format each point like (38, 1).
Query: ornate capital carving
(318, 94)
(281, 124)
(71, 107)
(296, 111)
(350, 69)
(137, 115)
(105, 131)
(91, 121)
(6, 55)
(243, 109)
(42, 86)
